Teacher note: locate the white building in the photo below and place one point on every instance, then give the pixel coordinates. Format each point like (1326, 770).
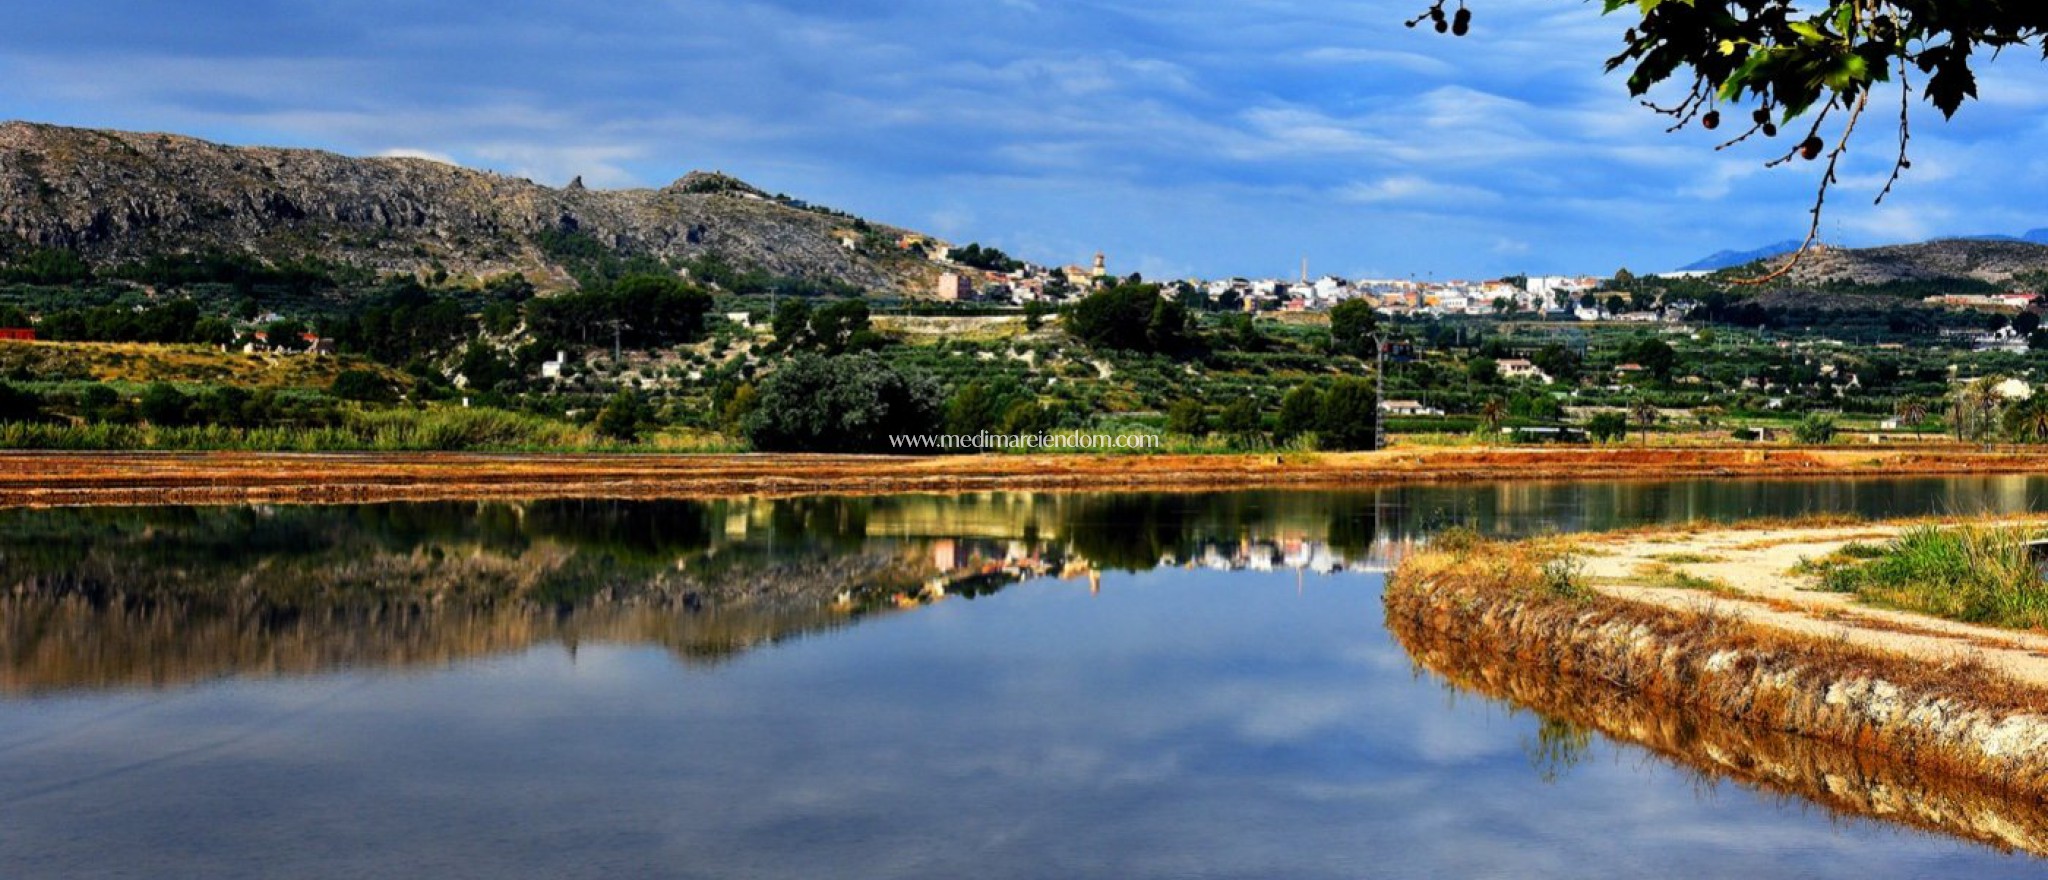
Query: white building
(1409, 408)
(1517, 368)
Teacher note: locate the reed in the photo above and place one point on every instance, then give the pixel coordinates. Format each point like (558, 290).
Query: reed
(1975, 574)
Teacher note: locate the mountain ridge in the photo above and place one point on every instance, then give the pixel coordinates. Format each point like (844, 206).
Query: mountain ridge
(1993, 259)
(113, 196)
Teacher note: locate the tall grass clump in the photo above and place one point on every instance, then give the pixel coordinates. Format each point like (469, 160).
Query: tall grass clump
(465, 429)
(1971, 574)
(445, 429)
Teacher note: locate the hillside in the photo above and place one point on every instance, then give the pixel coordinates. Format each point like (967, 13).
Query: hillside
(117, 196)
(1991, 261)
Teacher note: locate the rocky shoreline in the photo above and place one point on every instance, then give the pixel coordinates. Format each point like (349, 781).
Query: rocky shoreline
(1952, 744)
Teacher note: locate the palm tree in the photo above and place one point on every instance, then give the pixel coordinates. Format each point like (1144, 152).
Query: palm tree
(1492, 413)
(1975, 408)
(1911, 412)
(1646, 414)
(2027, 421)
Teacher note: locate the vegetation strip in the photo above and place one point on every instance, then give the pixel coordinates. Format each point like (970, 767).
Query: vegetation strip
(58, 478)
(1525, 605)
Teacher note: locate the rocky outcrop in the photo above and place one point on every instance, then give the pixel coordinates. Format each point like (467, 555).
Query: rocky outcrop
(117, 196)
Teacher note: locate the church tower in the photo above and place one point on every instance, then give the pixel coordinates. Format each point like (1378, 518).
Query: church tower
(1101, 266)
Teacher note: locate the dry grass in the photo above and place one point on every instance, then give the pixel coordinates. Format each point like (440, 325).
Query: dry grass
(140, 364)
(1666, 577)
(1688, 558)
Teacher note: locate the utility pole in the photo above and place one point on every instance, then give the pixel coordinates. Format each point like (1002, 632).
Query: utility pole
(1379, 393)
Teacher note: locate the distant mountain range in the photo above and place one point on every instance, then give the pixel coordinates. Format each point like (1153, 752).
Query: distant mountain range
(1731, 259)
(2037, 236)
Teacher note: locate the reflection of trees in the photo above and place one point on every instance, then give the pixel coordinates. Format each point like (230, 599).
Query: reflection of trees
(1130, 532)
(1557, 747)
(118, 596)
(658, 531)
(152, 596)
(1352, 529)
(828, 522)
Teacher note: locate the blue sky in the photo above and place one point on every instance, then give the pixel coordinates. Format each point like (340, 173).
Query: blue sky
(1180, 136)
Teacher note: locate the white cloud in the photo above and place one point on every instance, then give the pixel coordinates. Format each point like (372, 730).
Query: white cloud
(1415, 190)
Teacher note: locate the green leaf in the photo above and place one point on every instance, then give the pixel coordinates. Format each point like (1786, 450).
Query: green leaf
(1851, 70)
(1807, 31)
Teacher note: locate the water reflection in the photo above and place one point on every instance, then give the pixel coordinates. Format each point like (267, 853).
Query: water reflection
(1195, 700)
(159, 596)
(163, 596)
(1845, 781)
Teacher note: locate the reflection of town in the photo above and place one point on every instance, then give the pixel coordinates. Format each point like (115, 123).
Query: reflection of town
(978, 566)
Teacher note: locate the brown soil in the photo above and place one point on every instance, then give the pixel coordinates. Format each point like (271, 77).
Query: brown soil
(57, 478)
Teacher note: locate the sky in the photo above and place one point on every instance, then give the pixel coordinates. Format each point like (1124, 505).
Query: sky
(1181, 137)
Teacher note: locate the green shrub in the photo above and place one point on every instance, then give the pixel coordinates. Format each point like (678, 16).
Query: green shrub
(1971, 574)
(1815, 430)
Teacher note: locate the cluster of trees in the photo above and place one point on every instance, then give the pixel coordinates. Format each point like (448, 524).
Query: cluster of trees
(637, 311)
(594, 264)
(176, 321)
(1343, 415)
(403, 323)
(1654, 355)
(998, 407)
(847, 403)
(57, 267)
(243, 272)
(47, 266)
(1978, 412)
(1864, 319)
(1354, 326)
(836, 328)
(985, 258)
(1134, 317)
(18, 404)
(165, 405)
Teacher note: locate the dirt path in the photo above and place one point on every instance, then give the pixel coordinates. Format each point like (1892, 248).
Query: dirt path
(55, 478)
(1750, 573)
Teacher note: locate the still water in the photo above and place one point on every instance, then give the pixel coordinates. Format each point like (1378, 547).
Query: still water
(998, 685)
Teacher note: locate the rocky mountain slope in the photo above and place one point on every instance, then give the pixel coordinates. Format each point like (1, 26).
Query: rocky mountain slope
(114, 196)
(1993, 261)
